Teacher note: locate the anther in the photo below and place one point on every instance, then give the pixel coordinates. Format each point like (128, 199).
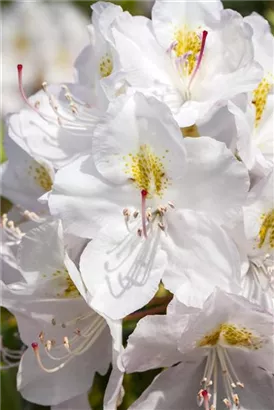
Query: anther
(53, 321)
(139, 232)
(240, 384)
(41, 336)
(227, 403)
(236, 399)
(66, 342)
(135, 214)
(48, 345)
(126, 213)
(171, 205)
(161, 226)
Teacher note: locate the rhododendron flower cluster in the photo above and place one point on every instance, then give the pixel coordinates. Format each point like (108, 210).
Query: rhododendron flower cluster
(153, 170)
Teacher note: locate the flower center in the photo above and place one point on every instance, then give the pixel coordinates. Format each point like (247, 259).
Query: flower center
(188, 45)
(41, 176)
(260, 99)
(147, 171)
(266, 232)
(231, 335)
(106, 65)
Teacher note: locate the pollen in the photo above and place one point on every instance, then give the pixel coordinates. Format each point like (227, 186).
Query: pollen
(106, 66)
(147, 171)
(266, 233)
(41, 176)
(64, 285)
(231, 335)
(260, 99)
(71, 291)
(188, 44)
(210, 339)
(21, 43)
(239, 337)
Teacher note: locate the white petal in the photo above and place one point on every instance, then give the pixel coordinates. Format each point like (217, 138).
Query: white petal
(215, 183)
(175, 388)
(117, 266)
(200, 256)
(83, 201)
(76, 403)
(153, 344)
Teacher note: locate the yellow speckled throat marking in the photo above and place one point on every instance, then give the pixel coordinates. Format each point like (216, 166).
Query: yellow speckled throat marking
(188, 42)
(147, 171)
(41, 176)
(266, 232)
(231, 335)
(260, 99)
(106, 66)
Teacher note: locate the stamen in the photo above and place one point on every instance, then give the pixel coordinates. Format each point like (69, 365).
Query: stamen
(204, 36)
(144, 194)
(35, 348)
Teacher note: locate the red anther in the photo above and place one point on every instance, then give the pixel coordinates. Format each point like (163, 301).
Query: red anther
(144, 193)
(34, 345)
(19, 67)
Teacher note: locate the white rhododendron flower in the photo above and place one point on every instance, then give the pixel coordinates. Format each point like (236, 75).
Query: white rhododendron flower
(139, 189)
(63, 334)
(194, 56)
(218, 357)
(255, 123)
(259, 244)
(143, 179)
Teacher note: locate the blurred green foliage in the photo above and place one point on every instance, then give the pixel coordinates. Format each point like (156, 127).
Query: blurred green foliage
(134, 384)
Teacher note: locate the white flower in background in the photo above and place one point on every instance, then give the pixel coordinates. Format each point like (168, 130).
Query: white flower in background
(67, 340)
(140, 189)
(102, 57)
(194, 56)
(218, 357)
(57, 122)
(46, 38)
(257, 243)
(255, 123)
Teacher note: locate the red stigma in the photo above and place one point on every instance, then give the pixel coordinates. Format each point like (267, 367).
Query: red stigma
(19, 67)
(204, 393)
(144, 193)
(34, 345)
